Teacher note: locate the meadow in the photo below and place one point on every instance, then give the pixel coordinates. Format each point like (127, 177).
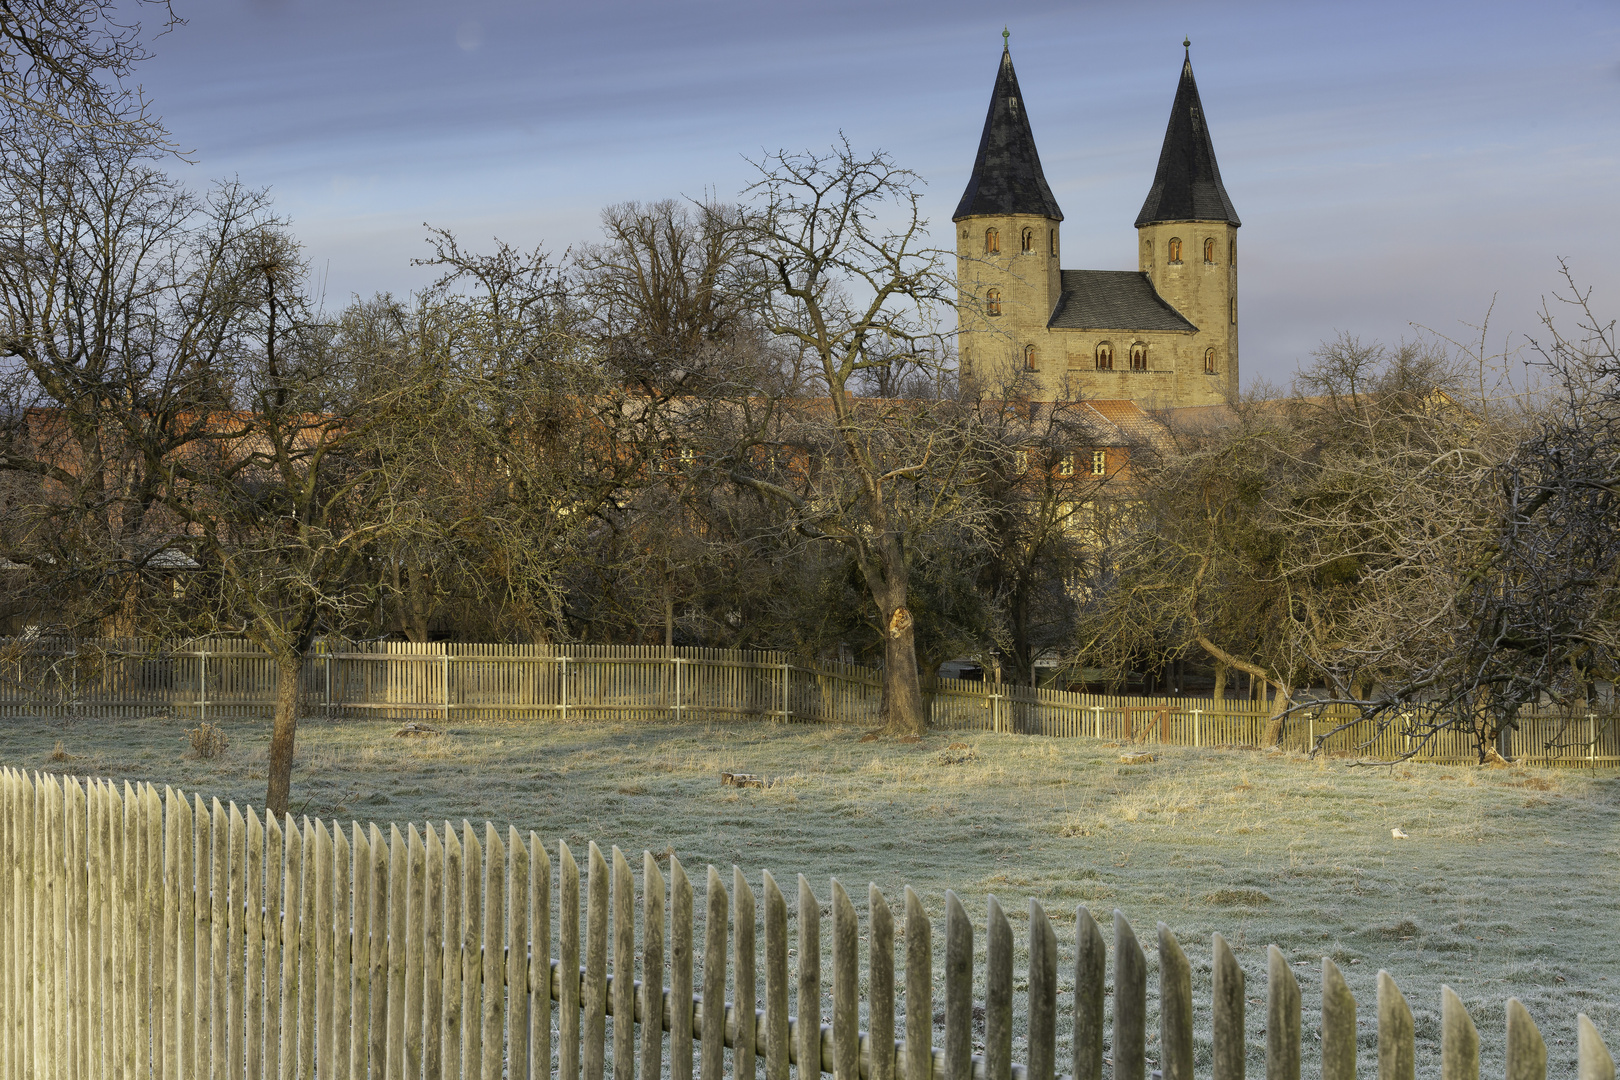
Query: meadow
(1507, 885)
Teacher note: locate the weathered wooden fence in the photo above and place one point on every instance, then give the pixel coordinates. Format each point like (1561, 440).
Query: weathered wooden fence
(227, 678)
(148, 935)
(230, 679)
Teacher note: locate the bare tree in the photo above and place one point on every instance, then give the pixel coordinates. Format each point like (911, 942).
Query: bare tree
(1304, 539)
(1046, 492)
(663, 295)
(1192, 559)
(122, 298)
(847, 280)
(287, 499)
(1502, 594)
(65, 64)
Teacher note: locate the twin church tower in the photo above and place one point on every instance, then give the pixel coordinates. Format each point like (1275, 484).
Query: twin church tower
(1164, 335)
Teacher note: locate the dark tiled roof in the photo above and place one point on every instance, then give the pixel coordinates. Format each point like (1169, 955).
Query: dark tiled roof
(1007, 177)
(1113, 300)
(1187, 185)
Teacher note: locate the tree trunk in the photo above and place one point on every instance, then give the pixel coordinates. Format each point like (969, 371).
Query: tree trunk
(1279, 706)
(1219, 693)
(420, 606)
(289, 670)
(902, 689)
(887, 579)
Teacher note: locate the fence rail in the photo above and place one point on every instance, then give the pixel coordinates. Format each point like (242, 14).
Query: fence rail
(149, 935)
(230, 679)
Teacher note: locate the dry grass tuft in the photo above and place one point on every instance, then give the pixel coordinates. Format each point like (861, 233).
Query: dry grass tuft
(1238, 897)
(207, 741)
(60, 753)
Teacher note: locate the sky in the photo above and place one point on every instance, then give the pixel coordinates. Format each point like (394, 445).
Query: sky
(1399, 167)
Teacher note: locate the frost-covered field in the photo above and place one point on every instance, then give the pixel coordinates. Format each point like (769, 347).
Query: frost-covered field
(1509, 883)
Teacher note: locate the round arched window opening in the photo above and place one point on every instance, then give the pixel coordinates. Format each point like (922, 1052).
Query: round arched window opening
(1105, 357)
(1175, 249)
(1138, 357)
(1028, 241)
(992, 242)
(1209, 361)
(992, 302)
(1030, 359)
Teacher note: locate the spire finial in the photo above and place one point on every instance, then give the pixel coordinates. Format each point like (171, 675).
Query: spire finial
(1005, 34)
(1186, 43)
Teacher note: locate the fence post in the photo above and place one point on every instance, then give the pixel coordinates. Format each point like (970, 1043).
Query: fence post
(444, 674)
(562, 684)
(327, 645)
(202, 687)
(1591, 736)
(678, 705)
(1096, 713)
(1197, 715)
(787, 679)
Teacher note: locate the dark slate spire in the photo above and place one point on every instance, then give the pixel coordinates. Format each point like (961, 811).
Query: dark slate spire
(1187, 185)
(1007, 177)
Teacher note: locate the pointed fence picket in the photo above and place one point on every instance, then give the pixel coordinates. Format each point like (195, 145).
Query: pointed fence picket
(152, 936)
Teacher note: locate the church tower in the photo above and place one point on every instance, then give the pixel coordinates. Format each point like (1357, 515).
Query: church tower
(1007, 273)
(1187, 237)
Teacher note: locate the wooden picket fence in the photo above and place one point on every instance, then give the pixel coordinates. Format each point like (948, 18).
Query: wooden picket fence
(230, 679)
(148, 935)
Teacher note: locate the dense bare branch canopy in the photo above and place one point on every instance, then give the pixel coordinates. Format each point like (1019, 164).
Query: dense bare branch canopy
(66, 64)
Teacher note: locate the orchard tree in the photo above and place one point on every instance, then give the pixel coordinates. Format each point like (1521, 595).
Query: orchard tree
(123, 311)
(65, 64)
(845, 279)
(1497, 590)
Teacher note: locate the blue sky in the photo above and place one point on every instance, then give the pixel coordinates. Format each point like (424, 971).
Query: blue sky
(1393, 163)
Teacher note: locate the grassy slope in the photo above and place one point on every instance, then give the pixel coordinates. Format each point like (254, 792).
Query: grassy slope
(1509, 885)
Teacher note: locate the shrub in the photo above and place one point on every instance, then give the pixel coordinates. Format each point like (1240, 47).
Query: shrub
(208, 741)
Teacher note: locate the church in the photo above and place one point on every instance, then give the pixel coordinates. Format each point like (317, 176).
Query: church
(1162, 336)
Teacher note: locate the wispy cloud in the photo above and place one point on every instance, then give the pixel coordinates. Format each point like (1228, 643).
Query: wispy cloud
(1393, 163)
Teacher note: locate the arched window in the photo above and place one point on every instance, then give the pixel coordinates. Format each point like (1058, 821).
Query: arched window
(1175, 249)
(1066, 465)
(1231, 253)
(1029, 241)
(1105, 357)
(1099, 462)
(1209, 361)
(992, 242)
(1234, 311)
(1029, 358)
(1054, 241)
(1138, 357)
(992, 302)
(1209, 250)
